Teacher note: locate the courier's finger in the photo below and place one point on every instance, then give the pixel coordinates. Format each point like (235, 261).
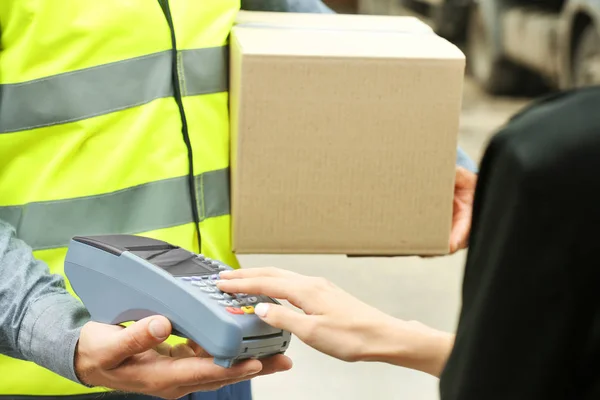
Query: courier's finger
(164, 349)
(274, 364)
(198, 371)
(198, 350)
(271, 365)
(182, 350)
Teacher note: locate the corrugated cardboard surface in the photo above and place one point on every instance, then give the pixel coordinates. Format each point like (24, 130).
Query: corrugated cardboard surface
(343, 141)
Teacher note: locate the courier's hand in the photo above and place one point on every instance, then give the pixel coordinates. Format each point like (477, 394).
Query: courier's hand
(338, 324)
(464, 192)
(135, 359)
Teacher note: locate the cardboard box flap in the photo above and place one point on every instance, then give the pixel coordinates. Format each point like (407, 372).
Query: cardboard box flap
(333, 43)
(283, 20)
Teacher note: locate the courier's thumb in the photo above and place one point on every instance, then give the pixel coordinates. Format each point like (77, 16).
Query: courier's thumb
(141, 336)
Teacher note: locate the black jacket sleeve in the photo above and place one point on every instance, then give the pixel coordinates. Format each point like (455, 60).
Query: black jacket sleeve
(529, 327)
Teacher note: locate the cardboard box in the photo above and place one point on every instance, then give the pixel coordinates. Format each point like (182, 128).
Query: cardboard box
(338, 22)
(343, 141)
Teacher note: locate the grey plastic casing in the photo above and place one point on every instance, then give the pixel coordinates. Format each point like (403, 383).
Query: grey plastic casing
(122, 278)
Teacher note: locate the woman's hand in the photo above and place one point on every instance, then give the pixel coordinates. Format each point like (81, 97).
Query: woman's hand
(335, 323)
(338, 324)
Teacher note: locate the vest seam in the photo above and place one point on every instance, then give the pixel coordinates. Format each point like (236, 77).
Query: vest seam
(181, 73)
(175, 79)
(200, 199)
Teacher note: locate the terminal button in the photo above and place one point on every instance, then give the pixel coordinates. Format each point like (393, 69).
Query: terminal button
(234, 310)
(248, 310)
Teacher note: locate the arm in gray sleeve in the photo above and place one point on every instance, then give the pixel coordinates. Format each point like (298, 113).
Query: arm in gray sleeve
(463, 160)
(298, 6)
(39, 320)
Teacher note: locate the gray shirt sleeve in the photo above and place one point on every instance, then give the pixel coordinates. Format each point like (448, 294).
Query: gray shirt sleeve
(299, 6)
(39, 320)
(463, 160)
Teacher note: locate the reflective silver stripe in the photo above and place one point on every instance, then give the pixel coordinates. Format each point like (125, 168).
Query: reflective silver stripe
(205, 71)
(142, 208)
(110, 87)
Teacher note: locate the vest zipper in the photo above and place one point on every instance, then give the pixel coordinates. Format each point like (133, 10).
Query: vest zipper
(184, 130)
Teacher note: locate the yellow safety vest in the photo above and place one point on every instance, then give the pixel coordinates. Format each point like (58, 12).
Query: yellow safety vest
(113, 119)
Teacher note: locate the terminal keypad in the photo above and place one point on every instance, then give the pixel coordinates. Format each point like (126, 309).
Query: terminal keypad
(234, 303)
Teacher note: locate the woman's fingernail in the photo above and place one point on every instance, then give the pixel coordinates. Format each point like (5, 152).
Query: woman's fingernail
(261, 309)
(224, 274)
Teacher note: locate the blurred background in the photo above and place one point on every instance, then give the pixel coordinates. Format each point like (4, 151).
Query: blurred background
(516, 52)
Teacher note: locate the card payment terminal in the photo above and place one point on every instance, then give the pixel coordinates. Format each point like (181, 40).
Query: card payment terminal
(121, 278)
